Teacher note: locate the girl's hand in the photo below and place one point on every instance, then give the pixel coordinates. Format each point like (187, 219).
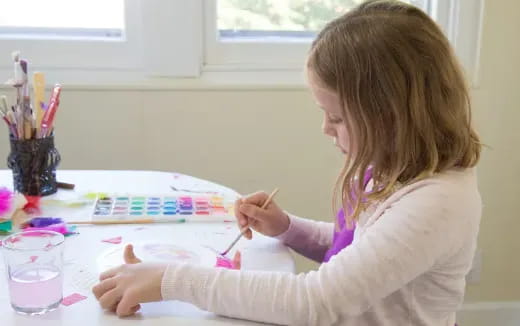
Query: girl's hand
(123, 288)
(271, 221)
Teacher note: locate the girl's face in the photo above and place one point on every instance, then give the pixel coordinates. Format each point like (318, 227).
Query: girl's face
(333, 124)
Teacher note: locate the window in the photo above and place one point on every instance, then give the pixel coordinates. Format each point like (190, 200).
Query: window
(103, 41)
(230, 41)
(248, 34)
(44, 19)
(251, 32)
(66, 34)
(275, 20)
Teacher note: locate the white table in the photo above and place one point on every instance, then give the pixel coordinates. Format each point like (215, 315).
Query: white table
(82, 251)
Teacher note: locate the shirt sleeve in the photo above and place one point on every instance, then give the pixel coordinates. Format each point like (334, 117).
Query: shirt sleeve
(309, 238)
(409, 237)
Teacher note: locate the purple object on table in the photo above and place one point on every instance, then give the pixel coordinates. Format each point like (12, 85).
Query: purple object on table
(39, 222)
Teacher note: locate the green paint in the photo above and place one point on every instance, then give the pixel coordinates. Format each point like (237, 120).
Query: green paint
(6, 226)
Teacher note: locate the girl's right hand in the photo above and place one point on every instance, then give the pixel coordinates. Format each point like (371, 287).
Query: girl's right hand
(271, 221)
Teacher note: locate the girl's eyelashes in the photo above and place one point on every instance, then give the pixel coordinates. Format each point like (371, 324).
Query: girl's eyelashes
(334, 120)
(331, 119)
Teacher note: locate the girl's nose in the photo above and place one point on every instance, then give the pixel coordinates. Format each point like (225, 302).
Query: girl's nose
(327, 129)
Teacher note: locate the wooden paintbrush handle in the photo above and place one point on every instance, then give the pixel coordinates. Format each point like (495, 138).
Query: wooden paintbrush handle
(143, 221)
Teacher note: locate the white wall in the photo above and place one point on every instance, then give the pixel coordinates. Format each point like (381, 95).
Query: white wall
(497, 114)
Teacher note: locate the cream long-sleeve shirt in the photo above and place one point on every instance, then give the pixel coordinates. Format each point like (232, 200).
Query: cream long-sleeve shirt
(406, 265)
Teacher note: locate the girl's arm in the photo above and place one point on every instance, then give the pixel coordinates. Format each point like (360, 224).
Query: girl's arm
(309, 238)
(411, 235)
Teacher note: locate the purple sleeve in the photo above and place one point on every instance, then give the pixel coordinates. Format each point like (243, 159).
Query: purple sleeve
(309, 238)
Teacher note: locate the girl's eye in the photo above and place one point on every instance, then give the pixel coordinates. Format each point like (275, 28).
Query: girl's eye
(335, 120)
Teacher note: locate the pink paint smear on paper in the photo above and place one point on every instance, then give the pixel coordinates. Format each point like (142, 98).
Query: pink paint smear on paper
(116, 240)
(72, 299)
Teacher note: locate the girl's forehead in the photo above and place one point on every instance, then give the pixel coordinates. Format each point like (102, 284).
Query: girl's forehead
(326, 98)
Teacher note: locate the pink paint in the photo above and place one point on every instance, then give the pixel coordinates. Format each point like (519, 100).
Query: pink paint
(39, 287)
(225, 262)
(14, 240)
(33, 258)
(116, 240)
(72, 299)
(228, 221)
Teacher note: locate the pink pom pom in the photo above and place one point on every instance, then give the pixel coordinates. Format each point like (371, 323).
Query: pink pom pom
(6, 200)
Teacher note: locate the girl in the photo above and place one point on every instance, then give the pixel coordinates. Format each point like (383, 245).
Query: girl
(395, 102)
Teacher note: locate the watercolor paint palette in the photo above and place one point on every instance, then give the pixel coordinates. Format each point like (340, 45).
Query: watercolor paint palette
(124, 207)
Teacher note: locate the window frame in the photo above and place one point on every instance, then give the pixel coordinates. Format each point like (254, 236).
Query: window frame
(146, 59)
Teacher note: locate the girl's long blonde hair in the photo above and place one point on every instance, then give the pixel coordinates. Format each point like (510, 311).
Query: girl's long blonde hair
(405, 100)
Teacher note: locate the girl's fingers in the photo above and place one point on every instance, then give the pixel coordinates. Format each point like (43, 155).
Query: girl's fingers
(258, 198)
(241, 218)
(253, 211)
(132, 311)
(110, 299)
(127, 304)
(109, 273)
(248, 234)
(237, 260)
(129, 256)
(104, 286)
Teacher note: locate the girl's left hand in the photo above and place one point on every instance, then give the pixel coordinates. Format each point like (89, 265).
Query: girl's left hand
(123, 288)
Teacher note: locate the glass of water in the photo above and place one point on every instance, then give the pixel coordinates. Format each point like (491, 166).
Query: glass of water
(34, 261)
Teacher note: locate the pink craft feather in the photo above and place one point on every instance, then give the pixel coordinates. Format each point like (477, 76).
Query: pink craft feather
(6, 200)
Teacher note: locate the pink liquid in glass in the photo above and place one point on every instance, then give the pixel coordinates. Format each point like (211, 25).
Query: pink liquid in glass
(36, 288)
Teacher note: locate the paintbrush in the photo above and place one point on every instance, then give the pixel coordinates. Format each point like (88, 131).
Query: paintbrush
(141, 221)
(244, 230)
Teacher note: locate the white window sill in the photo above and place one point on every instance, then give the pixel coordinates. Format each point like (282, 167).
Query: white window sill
(213, 78)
